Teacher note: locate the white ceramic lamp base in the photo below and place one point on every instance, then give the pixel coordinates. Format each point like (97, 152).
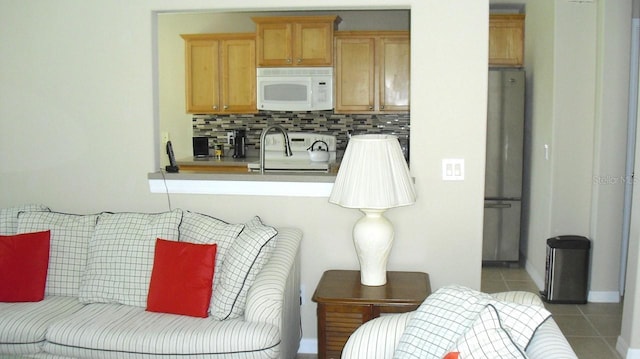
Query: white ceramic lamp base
(373, 238)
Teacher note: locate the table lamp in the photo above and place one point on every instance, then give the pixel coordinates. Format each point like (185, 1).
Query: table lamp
(373, 177)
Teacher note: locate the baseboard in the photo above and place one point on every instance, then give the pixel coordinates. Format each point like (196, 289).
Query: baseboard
(622, 347)
(603, 297)
(633, 354)
(308, 346)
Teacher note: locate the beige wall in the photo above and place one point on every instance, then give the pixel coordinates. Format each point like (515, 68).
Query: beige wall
(79, 125)
(577, 60)
(79, 129)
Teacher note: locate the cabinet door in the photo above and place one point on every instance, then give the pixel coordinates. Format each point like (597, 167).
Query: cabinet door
(238, 72)
(355, 70)
(336, 322)
(202, 76)
(274, 44)
(506, 40)
(313, 44)
(394, 77)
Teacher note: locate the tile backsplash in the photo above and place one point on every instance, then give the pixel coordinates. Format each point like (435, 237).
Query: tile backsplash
(326, 122)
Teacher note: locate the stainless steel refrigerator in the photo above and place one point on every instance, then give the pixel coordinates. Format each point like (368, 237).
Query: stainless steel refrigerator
(503, 178)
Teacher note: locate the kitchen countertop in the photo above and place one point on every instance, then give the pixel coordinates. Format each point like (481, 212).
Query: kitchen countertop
(322, 177)
(240, 165)
(276, 183)
(214, 162)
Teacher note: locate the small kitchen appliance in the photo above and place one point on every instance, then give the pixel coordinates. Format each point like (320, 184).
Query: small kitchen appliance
(239, 144)
(319, 153)
(300, 160)
(295, 88)
(200, 147)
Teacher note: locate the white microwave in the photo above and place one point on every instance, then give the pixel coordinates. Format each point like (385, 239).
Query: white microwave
(295, 88)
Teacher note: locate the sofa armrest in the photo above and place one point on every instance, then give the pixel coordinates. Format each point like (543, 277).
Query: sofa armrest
(274, 297)
(519, 297)
(377, 338)
(548, 341)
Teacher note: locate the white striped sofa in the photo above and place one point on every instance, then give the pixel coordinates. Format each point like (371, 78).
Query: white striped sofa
(66, 327)
(378, 338)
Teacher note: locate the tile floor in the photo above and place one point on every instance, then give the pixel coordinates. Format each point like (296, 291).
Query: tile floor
(591, 329)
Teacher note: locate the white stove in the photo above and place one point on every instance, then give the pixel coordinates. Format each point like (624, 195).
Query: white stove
(275, 159)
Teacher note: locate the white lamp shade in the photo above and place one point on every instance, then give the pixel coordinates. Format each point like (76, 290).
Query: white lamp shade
(373, 174)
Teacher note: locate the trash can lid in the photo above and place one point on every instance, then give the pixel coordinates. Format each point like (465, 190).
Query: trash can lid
(569, 242)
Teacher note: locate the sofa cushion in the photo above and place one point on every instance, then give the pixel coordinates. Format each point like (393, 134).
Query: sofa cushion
(117, 331)
(242, 263)
(9, 217)
(23, 326)
(181, 278)
(70, 234)
(23, 268)
(120, 256)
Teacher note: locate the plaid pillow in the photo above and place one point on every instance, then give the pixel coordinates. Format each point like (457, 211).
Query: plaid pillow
(487, 339)
(70, 235)
(447, 314)
(244, 260)
(121, 256)
(202, 229)
(9, 217)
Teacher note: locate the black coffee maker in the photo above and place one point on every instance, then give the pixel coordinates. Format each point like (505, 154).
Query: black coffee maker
(239, 144)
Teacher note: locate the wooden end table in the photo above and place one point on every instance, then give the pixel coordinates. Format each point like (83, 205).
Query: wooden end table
(344, 304)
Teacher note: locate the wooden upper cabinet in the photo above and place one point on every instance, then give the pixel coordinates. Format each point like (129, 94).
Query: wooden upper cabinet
(395, 76)
(372, 71)
(220, 73)
(294, 40)
(238, 69)
(506, 40)
(202, 74)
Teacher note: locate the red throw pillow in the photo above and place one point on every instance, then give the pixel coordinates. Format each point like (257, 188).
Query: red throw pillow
(181, 278)
(24, 261)
(452, 355)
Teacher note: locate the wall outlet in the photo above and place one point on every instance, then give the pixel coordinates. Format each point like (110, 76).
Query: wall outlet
(230, 138)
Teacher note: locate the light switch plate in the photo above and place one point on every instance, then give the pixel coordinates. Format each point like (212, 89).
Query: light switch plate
(453, 169)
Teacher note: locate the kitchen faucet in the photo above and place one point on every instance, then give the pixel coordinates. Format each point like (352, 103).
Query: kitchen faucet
(263, 136)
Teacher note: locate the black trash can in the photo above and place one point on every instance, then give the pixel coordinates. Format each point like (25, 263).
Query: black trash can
(567, 270)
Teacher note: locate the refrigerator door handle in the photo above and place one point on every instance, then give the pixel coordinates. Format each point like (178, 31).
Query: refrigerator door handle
(497, 205)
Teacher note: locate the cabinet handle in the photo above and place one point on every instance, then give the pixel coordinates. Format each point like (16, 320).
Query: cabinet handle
(288, 61)
(299, 60)
(382, 107)
(225, 107)
(370, 108)
(497, 205)
(215, 107)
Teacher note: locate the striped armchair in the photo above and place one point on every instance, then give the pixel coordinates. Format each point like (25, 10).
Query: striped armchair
(377, 339)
